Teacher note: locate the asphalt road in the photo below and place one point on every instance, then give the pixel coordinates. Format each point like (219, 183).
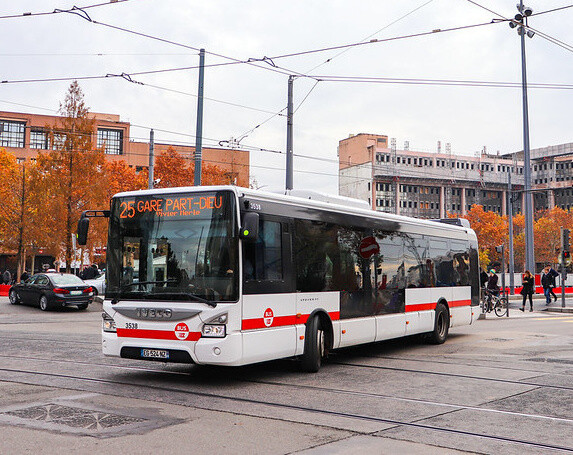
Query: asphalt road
(500, 386)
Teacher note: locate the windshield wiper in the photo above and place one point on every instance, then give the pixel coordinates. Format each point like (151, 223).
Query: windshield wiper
(190, 296)
(155, 294)
(125, 287)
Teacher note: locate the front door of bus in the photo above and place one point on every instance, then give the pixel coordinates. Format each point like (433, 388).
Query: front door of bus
(268, 313)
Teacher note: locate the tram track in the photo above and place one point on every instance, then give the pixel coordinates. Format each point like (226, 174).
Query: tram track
(417, 424)
(353, 365)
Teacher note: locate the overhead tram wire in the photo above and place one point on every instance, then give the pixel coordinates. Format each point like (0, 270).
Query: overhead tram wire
(58, 11)
(551, 39)
(346, 50)
(439, 82)
(541, 34)
(384, 40)
(371, 35)
(270, 66)
(552, 10)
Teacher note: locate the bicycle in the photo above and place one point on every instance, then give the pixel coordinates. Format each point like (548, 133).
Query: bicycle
(496, 303)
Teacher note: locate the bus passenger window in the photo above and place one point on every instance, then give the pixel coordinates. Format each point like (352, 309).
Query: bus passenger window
(263, 259)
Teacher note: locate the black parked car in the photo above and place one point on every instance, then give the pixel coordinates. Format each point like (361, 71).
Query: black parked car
(49, 290)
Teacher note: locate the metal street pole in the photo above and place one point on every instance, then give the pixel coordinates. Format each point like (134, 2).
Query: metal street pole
(510, 222)
(289, 152)
(528, 209)
(151, 160)
(199, 133)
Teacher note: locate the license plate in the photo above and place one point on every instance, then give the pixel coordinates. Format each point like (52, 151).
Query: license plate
(155, 353)
(75, 292)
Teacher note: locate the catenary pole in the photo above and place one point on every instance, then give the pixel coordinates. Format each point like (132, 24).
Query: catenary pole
(151, 159)
(289, 151)
(528, 209)
(510, 220)
(199, 133)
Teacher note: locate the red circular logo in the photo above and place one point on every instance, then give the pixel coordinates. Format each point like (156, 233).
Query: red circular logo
(368, 247)
(181, 331)
(268, 317)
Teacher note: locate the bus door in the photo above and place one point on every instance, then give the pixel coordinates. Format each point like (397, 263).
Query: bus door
(269, 304)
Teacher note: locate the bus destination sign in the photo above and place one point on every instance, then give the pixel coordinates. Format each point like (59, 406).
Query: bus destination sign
(169, 206)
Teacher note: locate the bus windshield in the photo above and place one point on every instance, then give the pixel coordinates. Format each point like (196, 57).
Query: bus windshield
(180, 246)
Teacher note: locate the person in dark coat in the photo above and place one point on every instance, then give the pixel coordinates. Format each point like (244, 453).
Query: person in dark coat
(7, 277)
(492, 283)
(548, 283)
(527, 290)
(25, 275)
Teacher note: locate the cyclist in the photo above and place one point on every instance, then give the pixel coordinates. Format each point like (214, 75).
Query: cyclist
(492, 287)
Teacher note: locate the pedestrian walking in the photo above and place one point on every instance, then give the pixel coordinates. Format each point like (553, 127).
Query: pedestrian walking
(7, 277)
(548, 283)
(527, 290)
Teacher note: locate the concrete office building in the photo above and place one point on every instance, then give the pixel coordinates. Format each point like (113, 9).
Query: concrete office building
(432, 184)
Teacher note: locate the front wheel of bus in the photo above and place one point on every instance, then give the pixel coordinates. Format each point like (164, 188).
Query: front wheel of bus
(314, 348)
(441, 325)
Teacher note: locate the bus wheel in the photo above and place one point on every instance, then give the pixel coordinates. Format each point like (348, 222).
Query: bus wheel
(441, 325)
(314, 348)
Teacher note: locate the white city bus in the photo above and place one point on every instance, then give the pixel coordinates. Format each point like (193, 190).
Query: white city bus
(231, 276)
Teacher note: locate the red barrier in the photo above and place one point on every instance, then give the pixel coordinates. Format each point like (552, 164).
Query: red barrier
(4, 290)
(539, 290)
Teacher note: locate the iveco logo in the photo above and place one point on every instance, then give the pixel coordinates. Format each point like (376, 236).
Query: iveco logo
(154, 313)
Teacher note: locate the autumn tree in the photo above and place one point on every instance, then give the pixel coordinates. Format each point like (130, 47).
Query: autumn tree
(173, 170)
(547, 233)
(120, 177)
(14, 210)
(491, 231)
(68, 179)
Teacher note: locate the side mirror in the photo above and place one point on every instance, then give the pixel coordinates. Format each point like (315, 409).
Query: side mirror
(83, 227)
(250, 228)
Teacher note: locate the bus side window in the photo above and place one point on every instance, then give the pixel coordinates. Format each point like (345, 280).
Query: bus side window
(263, 259)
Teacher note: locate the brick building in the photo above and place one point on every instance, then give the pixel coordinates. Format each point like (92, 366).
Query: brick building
(25, 134)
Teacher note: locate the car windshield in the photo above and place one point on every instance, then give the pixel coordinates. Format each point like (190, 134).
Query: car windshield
(173, 247)
(66, 280)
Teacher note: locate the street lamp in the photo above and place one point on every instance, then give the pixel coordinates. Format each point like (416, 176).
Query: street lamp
(520, 21)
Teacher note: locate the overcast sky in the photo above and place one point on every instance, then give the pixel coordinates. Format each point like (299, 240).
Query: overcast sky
(242, 97)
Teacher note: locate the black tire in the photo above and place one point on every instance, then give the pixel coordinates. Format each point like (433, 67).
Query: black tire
(441, 325)
(13, 295)
(44, 304)
(314, 346)
(83, 306)
(501, 307)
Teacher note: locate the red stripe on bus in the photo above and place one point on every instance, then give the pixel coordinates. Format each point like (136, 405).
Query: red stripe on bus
(420, 307)
(282, 321)
(155, 334)
(432, 306)
(467, 302)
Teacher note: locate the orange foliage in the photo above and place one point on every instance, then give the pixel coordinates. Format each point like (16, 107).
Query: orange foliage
(173, 170)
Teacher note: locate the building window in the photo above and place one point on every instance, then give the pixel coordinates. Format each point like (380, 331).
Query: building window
(38, 139)
(12, 133)
(112, 140)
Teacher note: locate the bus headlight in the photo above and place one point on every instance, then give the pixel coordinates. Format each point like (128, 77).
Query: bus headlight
(214, 331)
(108, 324)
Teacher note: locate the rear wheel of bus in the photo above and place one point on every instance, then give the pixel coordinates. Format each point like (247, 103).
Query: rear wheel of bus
(314, 346)
(441, 325)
